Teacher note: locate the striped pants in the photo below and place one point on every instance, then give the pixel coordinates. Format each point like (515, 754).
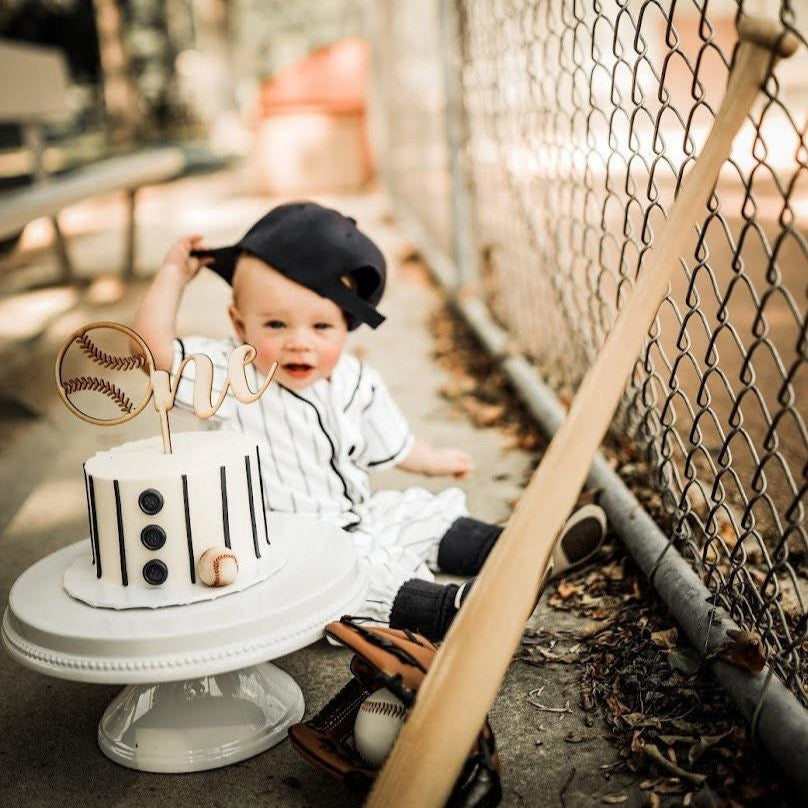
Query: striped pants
(398, 539)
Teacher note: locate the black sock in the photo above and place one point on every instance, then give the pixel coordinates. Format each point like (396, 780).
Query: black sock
(426, 607)
(465, 545)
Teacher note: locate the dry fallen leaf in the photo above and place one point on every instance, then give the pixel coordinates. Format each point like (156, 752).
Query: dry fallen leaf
(614, 571)
(743, 649)
(566, 590)
(666, 638)
(483, 414)
(457, 387)
(615, 705)
(728, 534)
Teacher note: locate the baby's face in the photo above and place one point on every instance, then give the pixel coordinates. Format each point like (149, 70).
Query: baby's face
(286, 323)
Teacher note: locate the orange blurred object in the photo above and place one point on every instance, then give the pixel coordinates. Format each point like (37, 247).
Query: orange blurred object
(311, 127)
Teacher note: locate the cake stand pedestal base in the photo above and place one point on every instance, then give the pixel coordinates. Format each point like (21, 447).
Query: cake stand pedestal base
(200, 693)
(200, 724)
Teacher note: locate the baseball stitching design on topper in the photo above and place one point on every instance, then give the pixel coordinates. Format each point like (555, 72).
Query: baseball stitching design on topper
(99, 385)
(159, 384)
(107, 360)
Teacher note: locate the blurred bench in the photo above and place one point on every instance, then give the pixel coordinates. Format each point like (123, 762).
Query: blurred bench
(34, 90)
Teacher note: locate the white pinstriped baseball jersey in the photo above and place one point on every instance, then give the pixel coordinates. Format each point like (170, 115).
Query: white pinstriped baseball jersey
(316, 449)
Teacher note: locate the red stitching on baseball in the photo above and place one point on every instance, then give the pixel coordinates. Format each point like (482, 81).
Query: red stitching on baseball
(216, 563)
(385, 708)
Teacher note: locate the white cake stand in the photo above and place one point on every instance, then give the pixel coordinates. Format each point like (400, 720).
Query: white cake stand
(201, 694)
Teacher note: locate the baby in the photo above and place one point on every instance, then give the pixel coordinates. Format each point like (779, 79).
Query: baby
(303, 276)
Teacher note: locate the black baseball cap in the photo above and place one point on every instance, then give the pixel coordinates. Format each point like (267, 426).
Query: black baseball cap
(316, 247)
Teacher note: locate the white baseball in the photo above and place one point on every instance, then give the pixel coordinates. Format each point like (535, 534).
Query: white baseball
(217, 566)
(378, 722)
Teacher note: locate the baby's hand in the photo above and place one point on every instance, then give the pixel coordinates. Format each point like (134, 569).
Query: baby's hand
(179, 258)
(452, 462)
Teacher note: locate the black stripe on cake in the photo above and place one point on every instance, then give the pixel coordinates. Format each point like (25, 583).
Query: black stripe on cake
(121, 545)
(263, 500)
(188, 528)
(252, 505)
(89, 512)
(93, 525)
(225, 517)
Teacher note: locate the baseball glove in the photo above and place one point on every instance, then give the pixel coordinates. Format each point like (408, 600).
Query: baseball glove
(397, 660)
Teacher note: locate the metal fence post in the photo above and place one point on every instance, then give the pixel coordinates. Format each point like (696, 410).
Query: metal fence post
(464, 247)
(376, 15)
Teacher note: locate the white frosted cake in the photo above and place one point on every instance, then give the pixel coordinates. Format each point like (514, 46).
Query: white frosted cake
(153, 516)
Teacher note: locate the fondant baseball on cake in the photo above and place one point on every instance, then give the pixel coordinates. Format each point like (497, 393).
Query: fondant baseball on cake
(171, 522)
(217, 566)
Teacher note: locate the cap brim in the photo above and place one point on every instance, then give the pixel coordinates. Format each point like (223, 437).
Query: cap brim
(224, 260)
(353, 304)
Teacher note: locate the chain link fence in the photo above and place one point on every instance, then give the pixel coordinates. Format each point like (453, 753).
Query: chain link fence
(578, 121)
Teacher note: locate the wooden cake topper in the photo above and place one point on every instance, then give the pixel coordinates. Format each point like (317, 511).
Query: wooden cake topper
(130, 378)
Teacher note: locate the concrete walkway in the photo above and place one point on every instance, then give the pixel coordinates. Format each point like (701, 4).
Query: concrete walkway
(48, 751)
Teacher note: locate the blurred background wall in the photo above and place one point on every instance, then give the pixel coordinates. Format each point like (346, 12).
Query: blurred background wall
(197, 70)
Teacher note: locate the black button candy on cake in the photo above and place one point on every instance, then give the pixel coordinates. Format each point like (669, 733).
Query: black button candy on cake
(150, 501)
(153, 537)
(155, 572)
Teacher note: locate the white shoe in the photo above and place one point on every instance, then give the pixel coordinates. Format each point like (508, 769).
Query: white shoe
(580, 538)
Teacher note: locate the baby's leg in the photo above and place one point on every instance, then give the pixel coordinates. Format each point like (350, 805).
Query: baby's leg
(394, 556)
(429, 608)
(467, 543)
(414, 519)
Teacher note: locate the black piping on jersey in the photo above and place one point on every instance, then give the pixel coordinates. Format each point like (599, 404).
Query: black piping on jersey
(358, 382)
(392, 456)
(336, 448)
(370, 400)
(182, 349)
(326, 475)
(332, 461)
(383, 443)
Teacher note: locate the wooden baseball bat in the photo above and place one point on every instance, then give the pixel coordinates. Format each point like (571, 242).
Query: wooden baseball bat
(467, 671)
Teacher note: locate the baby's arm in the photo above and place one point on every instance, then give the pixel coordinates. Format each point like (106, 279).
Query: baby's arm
(425, 459)
(156, 317)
